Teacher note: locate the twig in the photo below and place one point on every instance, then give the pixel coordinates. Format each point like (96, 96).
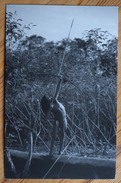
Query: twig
(28, 162)
(10, 161)
(58, 158)
(63, 166)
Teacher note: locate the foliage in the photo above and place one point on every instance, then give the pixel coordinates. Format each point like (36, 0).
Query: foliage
(88, 91)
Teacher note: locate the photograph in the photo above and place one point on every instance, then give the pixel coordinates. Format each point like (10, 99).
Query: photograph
(60, 92)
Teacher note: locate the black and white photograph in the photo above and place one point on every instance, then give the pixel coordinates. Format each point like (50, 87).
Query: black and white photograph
(60, 92)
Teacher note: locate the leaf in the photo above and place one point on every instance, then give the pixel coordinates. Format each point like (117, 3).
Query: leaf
(104, 44)
(27, 27)
(10, 13)
(19, 24)
(100, 37)
(14, 26)
(99, 41)
(19, 19)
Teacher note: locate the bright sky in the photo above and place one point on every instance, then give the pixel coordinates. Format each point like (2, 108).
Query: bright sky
(53, 22)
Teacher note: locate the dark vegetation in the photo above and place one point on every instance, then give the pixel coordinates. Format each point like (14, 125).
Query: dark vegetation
(88, 90)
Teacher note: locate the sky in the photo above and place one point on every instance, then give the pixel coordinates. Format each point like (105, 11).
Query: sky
(53, 22)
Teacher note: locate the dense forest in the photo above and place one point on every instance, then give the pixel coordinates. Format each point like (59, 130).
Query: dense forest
(88, 90)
